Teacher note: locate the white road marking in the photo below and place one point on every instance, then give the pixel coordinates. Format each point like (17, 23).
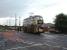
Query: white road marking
(28, 42)
(26, 46)
(47, 44)
(39, 44)
(64, 48)
(57, 46)
(65, 35)
(52, 42)
(53, 34)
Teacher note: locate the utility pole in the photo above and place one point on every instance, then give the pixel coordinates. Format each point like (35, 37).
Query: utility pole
(9, 21)
(15, 21)
(19, 20)
(19, 24)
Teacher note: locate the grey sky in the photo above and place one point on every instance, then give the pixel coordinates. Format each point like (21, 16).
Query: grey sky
(46, 8)
(10, 7)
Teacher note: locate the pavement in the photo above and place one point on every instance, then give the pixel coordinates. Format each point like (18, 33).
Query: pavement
(27, 41)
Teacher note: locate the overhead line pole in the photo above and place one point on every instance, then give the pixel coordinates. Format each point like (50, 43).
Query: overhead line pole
(19, 23)
(9, 21)
(15, 21)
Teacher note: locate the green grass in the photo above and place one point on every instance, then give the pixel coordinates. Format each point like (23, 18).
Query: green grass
(2, 29)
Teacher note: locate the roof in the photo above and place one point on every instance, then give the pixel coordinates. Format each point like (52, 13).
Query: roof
(32, 17)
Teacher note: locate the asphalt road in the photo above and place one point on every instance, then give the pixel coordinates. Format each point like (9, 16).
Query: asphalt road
(43, 41)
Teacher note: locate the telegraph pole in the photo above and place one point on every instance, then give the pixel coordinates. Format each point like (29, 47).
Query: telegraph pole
(15, 21)
(9, 21)
(19, 20)
(19, 24)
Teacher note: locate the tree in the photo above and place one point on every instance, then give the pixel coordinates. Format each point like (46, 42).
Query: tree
(61, 22)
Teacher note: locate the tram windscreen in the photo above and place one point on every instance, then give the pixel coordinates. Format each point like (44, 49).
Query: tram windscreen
(40, 21)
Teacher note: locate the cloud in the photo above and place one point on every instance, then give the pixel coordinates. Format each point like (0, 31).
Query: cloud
(10, 7)
(46, 8)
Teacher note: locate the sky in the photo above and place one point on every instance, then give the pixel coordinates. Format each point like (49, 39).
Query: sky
(48, 9)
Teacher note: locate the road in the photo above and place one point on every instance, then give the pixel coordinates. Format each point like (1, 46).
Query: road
(29, 41)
